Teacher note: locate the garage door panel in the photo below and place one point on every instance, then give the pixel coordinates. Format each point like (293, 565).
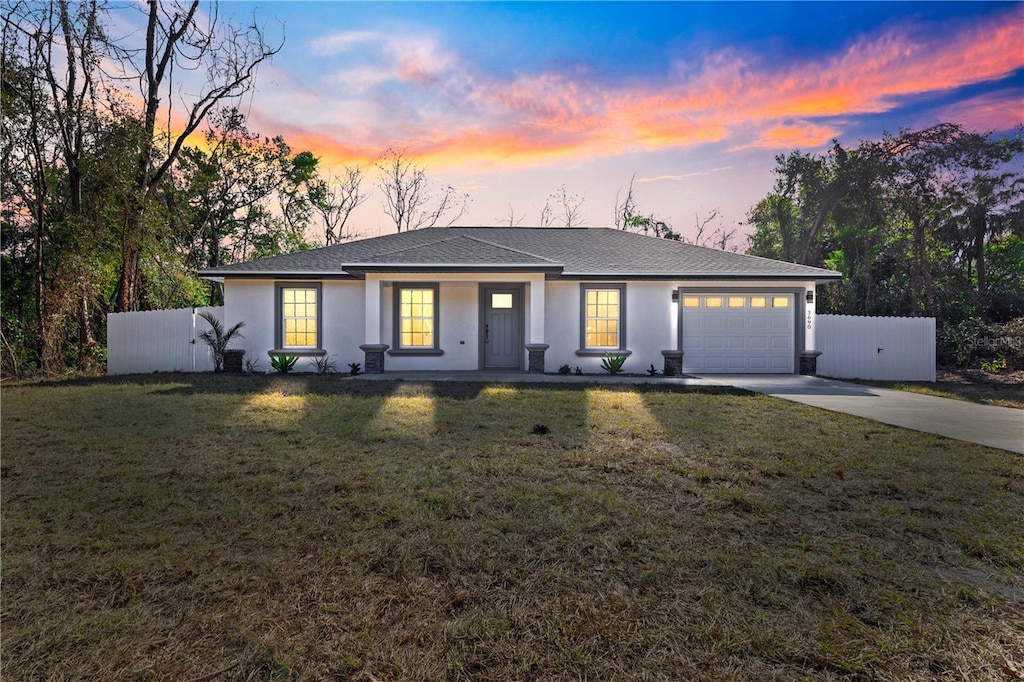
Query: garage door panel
(738, 339)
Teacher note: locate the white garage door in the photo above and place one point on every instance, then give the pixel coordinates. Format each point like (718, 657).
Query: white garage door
(738, 333)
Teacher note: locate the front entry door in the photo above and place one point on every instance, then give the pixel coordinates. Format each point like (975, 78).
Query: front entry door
(502, 327)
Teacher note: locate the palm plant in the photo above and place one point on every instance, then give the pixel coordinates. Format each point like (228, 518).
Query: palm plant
(218, 339)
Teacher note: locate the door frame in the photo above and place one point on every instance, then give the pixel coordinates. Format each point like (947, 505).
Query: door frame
(520, 287)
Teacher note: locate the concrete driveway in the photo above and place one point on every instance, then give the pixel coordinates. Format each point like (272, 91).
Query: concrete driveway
(998, 427)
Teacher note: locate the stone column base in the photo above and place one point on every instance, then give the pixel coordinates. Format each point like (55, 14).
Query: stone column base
(536, 351)
(374, 363)
(233, 360)
(673, 362)
(809, 362)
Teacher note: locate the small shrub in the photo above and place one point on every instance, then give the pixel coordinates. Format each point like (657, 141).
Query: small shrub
(218, 338)
(354, 368)
(540, 429)
(652, 372)
(325, 365)
(994, 366)
(613, 362)
(284, 362)
(564, 369)
(579, 370)
(975, 342)
(252, 366)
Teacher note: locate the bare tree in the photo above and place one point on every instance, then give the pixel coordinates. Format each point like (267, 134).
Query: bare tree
(628, 217)
(408, 198)
(511, 220)
(570, 207)
(718, 238)
(547, 214)
(625, 211)
(177, 37)
(334, 198)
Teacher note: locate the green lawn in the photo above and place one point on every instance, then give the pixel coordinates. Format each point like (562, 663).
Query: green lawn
(188, 527)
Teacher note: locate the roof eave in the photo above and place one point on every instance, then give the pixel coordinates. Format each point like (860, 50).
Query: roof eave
(766, 276)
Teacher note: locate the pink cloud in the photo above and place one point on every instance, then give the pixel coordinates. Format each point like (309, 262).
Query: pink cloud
(1001, 110)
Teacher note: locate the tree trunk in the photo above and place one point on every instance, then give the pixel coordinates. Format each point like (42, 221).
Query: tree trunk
(979, 221)
(130, 275)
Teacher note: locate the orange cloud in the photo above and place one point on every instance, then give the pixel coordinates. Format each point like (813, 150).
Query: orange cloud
(730, 97)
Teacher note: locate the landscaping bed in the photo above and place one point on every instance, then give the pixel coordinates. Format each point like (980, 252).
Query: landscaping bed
(1005, 389)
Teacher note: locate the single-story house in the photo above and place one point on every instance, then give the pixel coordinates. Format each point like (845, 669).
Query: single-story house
(497, 298)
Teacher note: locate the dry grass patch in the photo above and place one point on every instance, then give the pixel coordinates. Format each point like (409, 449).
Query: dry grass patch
(316, 528)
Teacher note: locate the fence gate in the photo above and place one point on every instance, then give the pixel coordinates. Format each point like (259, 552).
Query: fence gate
(876, 348)
(159, 341)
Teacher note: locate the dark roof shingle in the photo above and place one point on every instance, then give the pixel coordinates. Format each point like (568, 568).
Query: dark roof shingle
(575, 252)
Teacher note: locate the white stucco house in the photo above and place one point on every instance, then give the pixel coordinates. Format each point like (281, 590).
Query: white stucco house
(526, 299)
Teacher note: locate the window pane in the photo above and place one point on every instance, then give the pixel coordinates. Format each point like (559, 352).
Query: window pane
(737, 302)
(691, 301)
(298, 317)
(758, 302)
(780, 301)
(501, 301)
(713, 301)
(416, 318)
(601, 321)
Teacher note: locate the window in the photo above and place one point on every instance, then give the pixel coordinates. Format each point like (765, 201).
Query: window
(298, 316)
(416, 317)
(691, 301)
(780, 301)
(713, 302)
(501, 301)
(603, 315)
(737, 301)
(758, 302)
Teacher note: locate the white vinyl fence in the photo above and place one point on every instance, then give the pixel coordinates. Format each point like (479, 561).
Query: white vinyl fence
(159, 341)
(879, 348)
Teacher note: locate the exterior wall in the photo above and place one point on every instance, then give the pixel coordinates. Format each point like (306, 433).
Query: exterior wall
(651, 319)
(341, 329)
(458, 324)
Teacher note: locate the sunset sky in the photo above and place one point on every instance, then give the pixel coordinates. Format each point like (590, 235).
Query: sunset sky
(510, 101)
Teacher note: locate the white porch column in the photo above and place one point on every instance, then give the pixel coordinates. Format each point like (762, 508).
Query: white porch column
(372, 288)
(809, 321)
(537, 309)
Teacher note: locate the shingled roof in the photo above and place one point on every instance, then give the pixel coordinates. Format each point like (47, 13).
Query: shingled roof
(574, 253)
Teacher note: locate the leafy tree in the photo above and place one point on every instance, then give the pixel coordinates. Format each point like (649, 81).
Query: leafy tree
(913, 221)
(177, 36)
